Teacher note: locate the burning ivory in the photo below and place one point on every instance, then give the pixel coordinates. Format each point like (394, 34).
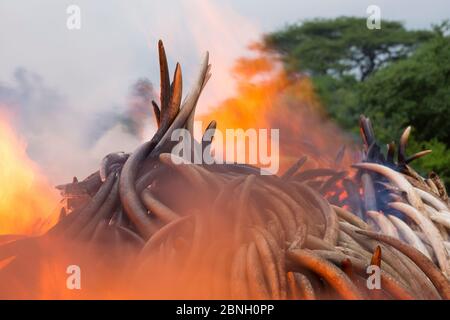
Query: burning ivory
(149, 225)
(251, 146)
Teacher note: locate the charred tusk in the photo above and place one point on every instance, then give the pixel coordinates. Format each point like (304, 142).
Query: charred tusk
(109, 160)
(294, 168)
(161, 211)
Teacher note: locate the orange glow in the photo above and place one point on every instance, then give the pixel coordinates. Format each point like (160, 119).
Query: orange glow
(269, 98)
(27, 201)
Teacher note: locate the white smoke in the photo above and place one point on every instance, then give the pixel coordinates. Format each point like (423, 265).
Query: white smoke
(64, 141)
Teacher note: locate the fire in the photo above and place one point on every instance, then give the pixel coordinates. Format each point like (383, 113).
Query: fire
(27, 201)
(267, 97)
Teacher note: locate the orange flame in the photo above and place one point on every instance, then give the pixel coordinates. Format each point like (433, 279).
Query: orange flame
(266, 98)
(270, 98)
(27, 201)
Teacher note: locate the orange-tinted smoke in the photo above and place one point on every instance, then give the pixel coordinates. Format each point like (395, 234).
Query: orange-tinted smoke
(268, 97)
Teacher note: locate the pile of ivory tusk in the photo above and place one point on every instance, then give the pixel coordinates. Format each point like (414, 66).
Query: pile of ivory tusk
(390, 198)
(225, 231)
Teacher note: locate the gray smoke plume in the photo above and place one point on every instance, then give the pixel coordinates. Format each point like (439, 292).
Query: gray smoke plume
(64, 141)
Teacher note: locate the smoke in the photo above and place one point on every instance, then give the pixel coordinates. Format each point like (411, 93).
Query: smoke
(134, 118)
(66, 141)
(139, 100)
(86, 111)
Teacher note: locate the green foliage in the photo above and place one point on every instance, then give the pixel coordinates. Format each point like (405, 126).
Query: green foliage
(395, 76)
(414, 91)
(438, 161)
(343, 46)
(341, 98)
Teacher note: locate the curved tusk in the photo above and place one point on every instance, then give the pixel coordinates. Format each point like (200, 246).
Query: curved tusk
(426, 265)
(332, 274)
(402, 145)
(161, 211)
(429, 229)
(435, 202)
(408, 235)
(384, 223)
(396, 178)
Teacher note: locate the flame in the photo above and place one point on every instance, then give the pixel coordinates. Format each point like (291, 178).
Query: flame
(27, 201)
(267, 97)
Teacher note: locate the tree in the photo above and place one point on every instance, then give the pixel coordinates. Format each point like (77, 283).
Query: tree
(415, 91)
(343, 46)
(396, 76)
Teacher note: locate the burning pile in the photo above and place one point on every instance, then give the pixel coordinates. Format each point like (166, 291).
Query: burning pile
(146, 226)
(388, 201)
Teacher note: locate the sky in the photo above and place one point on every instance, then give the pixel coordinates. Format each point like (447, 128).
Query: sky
(65, 90)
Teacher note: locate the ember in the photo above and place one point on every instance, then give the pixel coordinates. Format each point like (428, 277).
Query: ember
(146, 226)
